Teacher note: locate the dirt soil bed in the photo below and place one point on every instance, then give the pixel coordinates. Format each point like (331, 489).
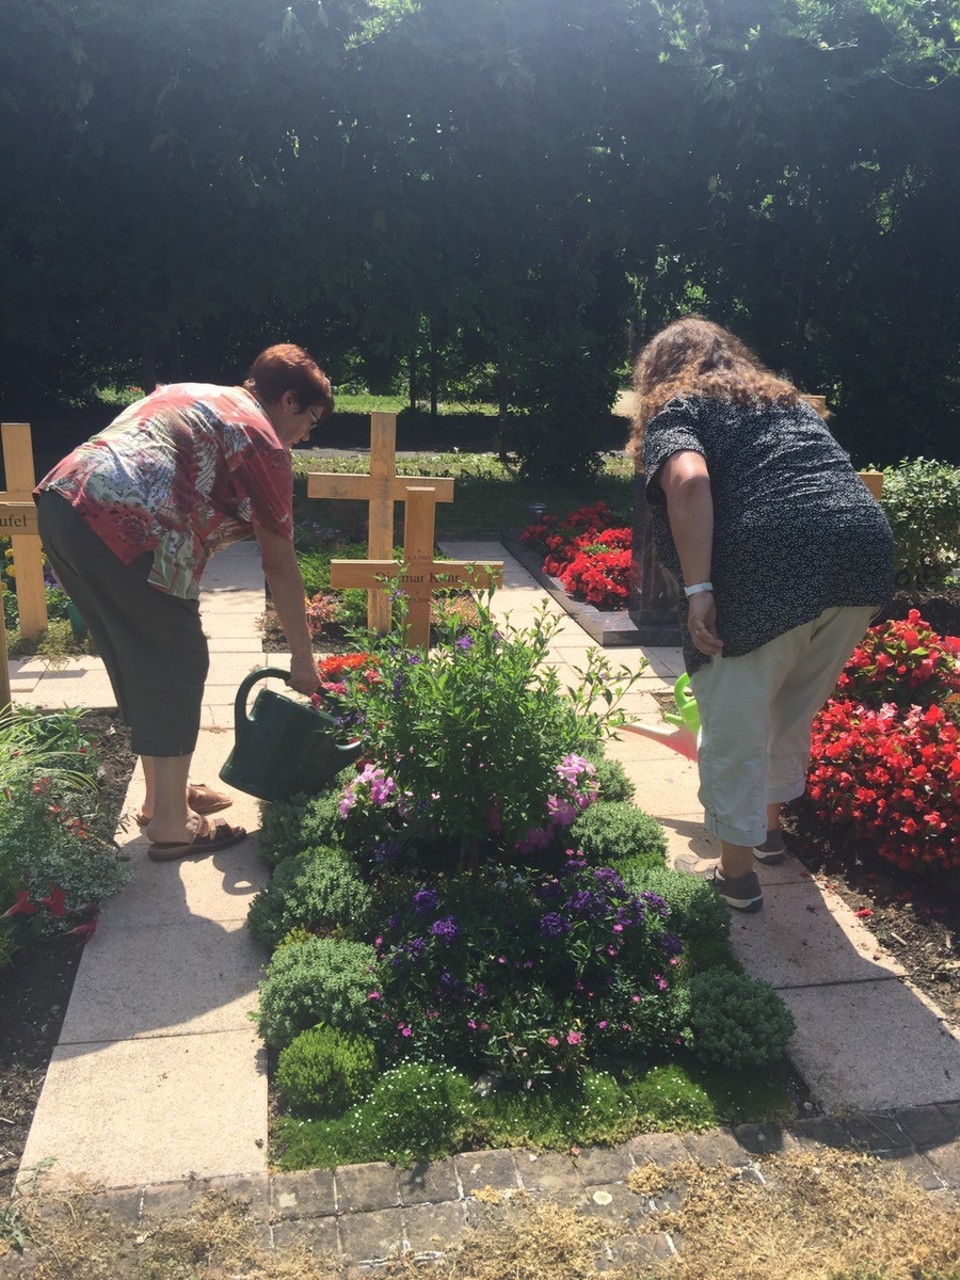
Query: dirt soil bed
(35, 988)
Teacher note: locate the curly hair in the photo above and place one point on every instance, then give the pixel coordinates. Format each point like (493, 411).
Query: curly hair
(286, 367)
(694, 356)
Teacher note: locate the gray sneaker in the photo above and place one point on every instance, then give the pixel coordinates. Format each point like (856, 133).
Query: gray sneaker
(772, 851)
(742, 893)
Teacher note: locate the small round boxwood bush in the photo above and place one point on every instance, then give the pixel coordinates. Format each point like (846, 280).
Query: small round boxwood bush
(618, 830)
(697, 913)
(737, 1021)
(319, 980)
(318, 890)
(613, 780)
(323, 1072)
(417, 1111)
(300, 822)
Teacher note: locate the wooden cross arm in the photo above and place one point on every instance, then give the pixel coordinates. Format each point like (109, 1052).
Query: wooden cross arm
(336, 485)
(362, 573)
(441, 574)
(17, 517)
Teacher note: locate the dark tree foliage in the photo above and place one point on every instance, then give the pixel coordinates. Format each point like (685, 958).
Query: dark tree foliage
(483, 196)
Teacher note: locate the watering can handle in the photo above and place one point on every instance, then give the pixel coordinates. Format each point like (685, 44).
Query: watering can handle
(241, 719)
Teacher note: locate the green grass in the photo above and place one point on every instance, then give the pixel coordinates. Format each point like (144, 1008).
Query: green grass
(364, 402)
(489, 499)
(673, 1097)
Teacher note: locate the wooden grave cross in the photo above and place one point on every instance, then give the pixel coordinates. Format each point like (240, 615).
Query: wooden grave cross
(420, 575)
(18, 521)
(380, 489)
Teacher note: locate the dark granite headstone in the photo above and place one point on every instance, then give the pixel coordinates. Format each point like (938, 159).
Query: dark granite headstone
(654, 591)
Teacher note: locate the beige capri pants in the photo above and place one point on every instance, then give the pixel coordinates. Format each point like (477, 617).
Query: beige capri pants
(756, 712)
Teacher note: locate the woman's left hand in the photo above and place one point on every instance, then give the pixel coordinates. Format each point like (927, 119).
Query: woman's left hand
(702, 624)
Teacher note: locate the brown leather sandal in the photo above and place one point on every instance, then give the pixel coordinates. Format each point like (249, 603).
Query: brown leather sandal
(210, 837)
(200, 799)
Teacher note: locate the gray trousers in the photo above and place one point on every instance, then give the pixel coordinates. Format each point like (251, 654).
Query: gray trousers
(152, 643)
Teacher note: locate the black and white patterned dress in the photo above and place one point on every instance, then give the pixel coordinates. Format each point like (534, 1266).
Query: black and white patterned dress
(796, 531)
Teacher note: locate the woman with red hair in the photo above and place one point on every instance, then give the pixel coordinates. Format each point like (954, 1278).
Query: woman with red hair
(129, 520)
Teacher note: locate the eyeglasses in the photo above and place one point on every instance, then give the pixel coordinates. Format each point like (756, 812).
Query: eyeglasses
(314, 422)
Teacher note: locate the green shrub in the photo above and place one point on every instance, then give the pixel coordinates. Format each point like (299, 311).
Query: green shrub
(921, 499)
(418, 1111)
(317, 889)
(618, 830)
(737, 1021)
(315, 981)
(287, 827)
(613, 780)
(697, 914)
(323, 1072)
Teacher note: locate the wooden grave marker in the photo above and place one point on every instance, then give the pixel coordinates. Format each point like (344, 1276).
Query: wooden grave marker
(420, 575)
(380, 490)
(18, 521)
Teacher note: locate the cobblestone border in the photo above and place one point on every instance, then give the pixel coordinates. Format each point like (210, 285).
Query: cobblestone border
(363, 1215)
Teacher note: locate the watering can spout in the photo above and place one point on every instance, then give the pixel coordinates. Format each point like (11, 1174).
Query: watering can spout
(681, 732)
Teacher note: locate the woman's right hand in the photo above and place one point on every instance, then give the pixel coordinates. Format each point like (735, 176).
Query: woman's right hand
(303, 674)
(702, 624)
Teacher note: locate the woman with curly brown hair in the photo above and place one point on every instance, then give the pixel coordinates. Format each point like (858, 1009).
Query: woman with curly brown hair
(783, 557)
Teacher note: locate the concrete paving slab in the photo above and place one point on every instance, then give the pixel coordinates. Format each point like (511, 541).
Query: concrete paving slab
(871, 1046)
(199, 976)
(154, 1110)
(217, 888)
(236, 644)
(800, 940)
(224, 625)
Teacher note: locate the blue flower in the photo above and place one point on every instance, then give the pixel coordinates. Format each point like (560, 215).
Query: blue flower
(552, 925)
(446, 928)
(424, 902)
(609, 879)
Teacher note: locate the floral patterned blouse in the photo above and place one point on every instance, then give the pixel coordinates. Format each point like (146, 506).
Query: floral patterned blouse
(180, 474)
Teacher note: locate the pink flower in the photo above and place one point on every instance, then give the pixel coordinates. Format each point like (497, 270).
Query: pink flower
(552, 1041)
(22, 906)
(574, 1037)
(55, 902)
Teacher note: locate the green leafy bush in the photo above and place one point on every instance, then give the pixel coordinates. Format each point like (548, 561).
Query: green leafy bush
(319, 980)
(529, 975)
(53, 864)
(737, 1021)
(323, 1072)
(697, 913)
(613, 781)
(466, 741)
(301, 822)
(415, 1112)
(921, 499)
(318, 890)
(606, 832)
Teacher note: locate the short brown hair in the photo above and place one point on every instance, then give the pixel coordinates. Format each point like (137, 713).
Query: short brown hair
(286, 367)
(694, 356)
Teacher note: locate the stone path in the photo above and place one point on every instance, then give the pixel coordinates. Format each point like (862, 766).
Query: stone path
(157, 1088)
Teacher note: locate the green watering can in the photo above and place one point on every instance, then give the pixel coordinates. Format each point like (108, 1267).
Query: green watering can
(282, 747)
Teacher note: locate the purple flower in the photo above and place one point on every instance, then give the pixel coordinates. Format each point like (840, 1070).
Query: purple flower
(425, 902)
(447, 928)
(609, 878)
(585, 904)
(552, 925)
(464, 643)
